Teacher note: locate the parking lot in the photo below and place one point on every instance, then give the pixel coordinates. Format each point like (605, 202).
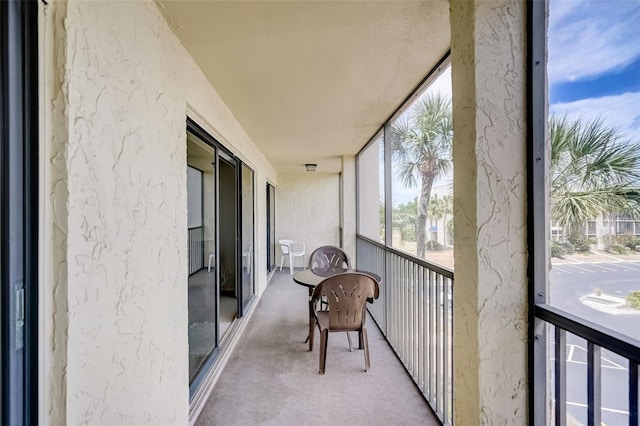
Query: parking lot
(570, 281)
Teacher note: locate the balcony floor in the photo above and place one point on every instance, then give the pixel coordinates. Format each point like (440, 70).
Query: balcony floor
(271, 377)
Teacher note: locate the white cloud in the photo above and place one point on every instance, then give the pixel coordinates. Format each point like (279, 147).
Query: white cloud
(619, 111)
(591, 37)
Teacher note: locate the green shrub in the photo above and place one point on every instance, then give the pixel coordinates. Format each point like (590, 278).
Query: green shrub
(580, 242)
(408, 234)
(618, 249)
(434, 245)
(627, 240)
(633, 299)
(570, 248)
(557, 250)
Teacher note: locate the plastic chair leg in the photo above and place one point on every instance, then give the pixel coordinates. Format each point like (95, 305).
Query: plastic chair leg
(365, 340)
(312, 326)
(324, 337)
(210, 260)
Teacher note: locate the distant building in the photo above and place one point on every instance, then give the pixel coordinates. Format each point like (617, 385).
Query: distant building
(599, 227)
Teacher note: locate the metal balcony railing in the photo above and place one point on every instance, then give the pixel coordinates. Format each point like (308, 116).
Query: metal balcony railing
(414, 312)
(597, 338)
(196, 249)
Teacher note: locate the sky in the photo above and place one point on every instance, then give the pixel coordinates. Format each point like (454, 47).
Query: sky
(594, 62)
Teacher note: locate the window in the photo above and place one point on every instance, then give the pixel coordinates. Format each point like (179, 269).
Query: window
(584, 324)
(405, 175)
(595, 163)
(421, 174)
(371, 190)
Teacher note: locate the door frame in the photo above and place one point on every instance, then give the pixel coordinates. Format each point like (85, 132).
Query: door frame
(19, 180)
(271, 257)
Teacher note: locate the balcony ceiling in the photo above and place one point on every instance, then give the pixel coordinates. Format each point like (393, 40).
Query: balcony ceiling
(311, 81)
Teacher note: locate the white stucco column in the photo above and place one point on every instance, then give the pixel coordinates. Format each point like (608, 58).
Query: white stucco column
(489, 149)
(348, 207)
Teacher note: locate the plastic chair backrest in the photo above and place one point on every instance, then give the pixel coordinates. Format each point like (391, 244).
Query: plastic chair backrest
(284, 245)
(329, 257)
(346, 295)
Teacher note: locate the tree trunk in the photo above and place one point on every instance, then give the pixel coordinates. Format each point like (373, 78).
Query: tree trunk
(444, 228)
(423, 206)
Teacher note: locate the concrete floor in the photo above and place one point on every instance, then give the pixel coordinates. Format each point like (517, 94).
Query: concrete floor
(272, 378)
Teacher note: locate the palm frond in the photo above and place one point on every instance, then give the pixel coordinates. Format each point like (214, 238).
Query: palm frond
(592, 170)
(574, 208)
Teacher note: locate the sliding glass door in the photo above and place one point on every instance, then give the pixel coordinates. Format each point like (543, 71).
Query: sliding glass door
(18, 213)
(203, 268)
(220, 211)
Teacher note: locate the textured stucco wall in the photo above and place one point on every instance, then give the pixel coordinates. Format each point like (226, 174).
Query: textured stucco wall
(117, 87)
(490, 296)
(126, 248)
(54, 131)
(308, 210)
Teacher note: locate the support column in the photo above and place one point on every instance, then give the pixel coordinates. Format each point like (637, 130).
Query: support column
(489, 151)
(348, 205)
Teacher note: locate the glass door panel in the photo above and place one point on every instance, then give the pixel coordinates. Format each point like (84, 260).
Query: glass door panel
(19, 218)
(247, 266)
(227, 243)
(202, 288)
(220, 204)
(271, 227)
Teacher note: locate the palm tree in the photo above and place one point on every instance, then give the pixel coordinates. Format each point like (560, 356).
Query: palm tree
(404, 219)
(421, 149)
(435, 210)
(593, 172)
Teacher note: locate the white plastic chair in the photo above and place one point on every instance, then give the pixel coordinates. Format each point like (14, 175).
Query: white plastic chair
(292, 250)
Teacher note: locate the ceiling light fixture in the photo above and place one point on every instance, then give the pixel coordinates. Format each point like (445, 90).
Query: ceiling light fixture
(311, 167)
